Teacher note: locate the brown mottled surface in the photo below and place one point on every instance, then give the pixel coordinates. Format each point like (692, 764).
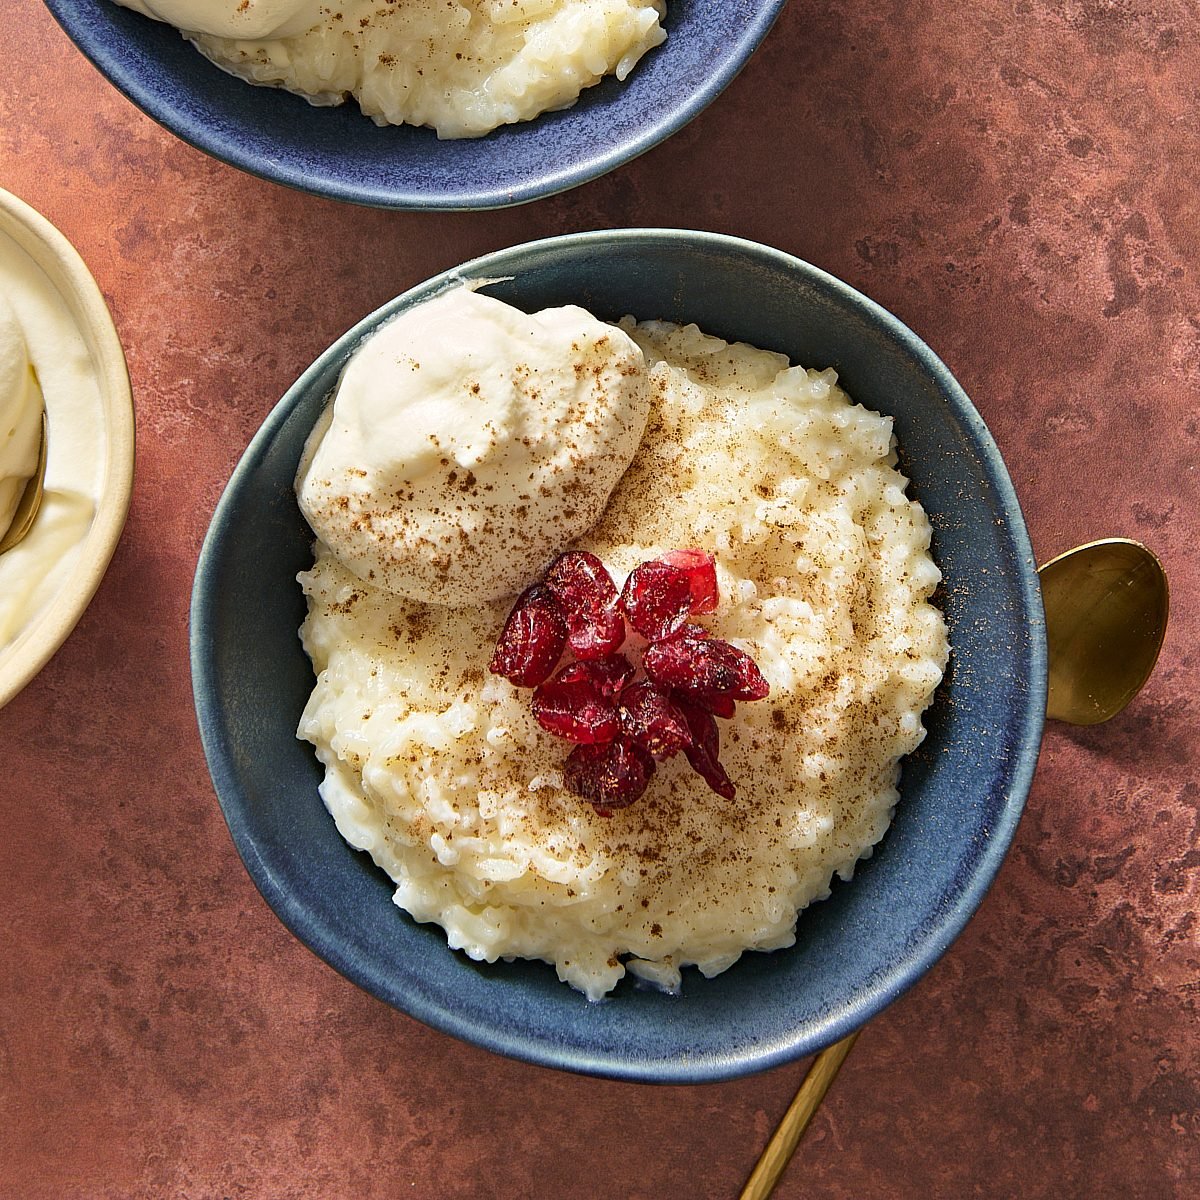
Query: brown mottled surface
(1019, 182)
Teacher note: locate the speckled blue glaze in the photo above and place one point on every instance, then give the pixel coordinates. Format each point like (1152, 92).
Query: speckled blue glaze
(963, 790)
(339, 153)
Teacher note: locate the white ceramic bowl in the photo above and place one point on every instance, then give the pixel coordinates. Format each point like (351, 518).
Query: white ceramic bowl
(24, 232)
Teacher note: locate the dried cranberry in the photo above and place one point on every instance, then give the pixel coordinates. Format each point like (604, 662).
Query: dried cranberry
(701, 570)
(719, 706)
(584, 588)
(706, 667)
(657, 599)
(653, 720)
(532, 640)
(702, 753)
(608, 674)
(573, 707)
(620, 726)
(610, 776)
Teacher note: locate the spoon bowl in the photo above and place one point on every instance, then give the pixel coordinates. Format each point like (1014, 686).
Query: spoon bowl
(1106, 615)
(31, 498)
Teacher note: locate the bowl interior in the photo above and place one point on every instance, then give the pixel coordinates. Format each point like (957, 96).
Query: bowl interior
(339, 153)
(962, 791)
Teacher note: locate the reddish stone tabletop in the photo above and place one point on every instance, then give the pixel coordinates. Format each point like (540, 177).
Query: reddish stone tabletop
(1020, 183)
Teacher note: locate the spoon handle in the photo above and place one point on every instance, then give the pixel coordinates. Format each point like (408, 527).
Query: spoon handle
(779, 1150)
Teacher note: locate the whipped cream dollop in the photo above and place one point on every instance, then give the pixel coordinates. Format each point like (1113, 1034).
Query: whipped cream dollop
(20, 414)
(468, 442)
(250, 20)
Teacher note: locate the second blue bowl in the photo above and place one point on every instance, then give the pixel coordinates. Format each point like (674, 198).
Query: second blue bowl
(962, 791)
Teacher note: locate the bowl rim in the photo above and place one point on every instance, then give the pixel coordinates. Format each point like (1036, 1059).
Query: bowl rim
(62, 264)
(902, 974)
(162, 106)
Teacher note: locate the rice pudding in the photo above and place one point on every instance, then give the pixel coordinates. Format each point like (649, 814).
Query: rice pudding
(439, 770)
(463, 67)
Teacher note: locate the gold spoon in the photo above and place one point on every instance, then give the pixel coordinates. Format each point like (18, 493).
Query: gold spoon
(1106, 608)
(31, 498)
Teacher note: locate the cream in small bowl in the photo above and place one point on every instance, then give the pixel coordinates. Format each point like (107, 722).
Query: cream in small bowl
(59, 348)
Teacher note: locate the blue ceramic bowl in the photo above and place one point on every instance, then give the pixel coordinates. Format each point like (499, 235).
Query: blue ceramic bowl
(962, 791)
(339, 153)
